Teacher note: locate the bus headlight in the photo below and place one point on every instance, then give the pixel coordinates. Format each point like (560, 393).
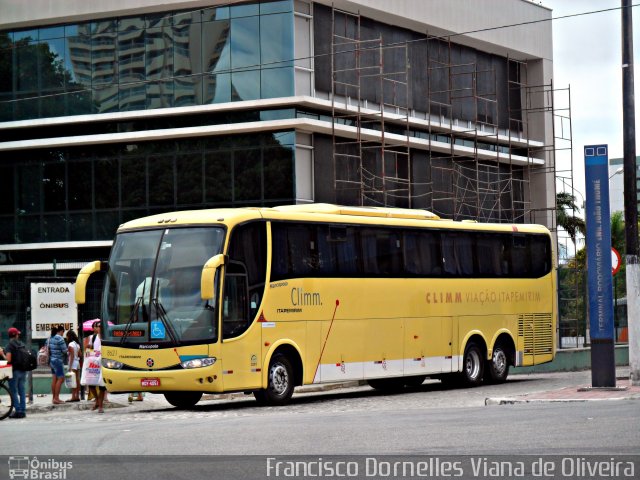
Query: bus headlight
(199, 362)
(112, 364)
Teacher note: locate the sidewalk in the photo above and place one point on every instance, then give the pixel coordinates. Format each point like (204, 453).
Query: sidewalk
(581, 393)
(576, 390)
(42, 402)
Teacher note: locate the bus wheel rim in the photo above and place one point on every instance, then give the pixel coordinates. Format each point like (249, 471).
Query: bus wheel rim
(279, 379)
(499, 361)
(473, 365)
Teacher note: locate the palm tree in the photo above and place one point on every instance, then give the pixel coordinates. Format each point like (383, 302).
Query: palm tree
(565, 218)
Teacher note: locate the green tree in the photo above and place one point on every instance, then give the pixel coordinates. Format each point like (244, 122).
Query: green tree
(566, 209)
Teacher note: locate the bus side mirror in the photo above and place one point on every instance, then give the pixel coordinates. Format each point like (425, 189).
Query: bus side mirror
(208, 276)
(82, 279)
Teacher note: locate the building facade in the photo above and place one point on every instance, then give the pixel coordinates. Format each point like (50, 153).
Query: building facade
(115, 110)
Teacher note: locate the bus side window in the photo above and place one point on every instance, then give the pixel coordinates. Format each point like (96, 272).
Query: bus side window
(325, 258)
(448, 255)
(246, 276)
(280, 253)
(422, 256)
(411, 255)
(369, 252)
(346, 256)
(540, 255)
(505, 264)
(520, 260)
(489, 252)
(458, 254)
(235, 304)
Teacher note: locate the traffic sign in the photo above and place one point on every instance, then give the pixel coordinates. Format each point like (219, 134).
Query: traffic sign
(616, 261)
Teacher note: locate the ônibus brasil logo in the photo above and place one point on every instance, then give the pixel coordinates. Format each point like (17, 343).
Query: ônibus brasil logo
(33, 468)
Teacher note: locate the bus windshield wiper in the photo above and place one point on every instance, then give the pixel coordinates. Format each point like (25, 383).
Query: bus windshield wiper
(134, 314)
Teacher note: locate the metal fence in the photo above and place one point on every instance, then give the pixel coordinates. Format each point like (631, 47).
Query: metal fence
(573, 319)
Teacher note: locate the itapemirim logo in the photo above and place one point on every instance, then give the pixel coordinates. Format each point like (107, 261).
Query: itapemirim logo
(33, 468)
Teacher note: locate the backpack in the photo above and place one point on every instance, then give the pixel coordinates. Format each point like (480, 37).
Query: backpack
(24, 359)
(43, 355)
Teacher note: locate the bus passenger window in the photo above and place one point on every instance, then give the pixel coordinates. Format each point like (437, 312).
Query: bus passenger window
(540, 255)
(448, 256)
(458, 254)
(422, 254)
(520, 259)
(489, 250)
(346, 257)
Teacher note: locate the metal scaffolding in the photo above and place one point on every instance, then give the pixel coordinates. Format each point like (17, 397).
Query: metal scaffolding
(370, 97)
(479, 168)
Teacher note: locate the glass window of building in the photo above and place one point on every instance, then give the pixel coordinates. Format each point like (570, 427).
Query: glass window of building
(219, 54)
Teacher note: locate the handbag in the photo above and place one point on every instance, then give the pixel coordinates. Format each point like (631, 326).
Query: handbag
(43, 355)
(70, 380)
(91, 369)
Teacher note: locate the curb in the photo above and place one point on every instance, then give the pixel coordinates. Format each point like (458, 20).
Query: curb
(88, 404)
(85, 405)
(515, 401)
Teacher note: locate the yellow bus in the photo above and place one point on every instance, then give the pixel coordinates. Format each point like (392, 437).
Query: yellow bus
(265, 299)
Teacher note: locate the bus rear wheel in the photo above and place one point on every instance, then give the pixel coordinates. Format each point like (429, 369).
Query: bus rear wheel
(280, 382)
(497, 368)
(472, 366)
(183, 400)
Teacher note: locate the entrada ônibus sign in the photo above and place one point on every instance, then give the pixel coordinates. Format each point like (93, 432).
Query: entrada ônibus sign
(52, 304)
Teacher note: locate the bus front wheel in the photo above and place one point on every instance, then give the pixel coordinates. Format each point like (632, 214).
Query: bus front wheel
(472, 365)
(280, 382)
(183, 400)
(497, 368)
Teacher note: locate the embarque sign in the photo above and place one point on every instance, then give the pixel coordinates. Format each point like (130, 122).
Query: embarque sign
(52, 304)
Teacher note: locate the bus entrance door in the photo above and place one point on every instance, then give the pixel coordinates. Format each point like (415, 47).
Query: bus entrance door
(241, 338)
(242, 361)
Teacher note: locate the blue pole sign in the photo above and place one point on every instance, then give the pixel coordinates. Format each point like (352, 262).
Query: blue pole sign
(599, 276)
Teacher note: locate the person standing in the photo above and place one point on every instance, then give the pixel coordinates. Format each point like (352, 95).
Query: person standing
(57, 357)
(17, 382)
(75, 353)
(93, 347)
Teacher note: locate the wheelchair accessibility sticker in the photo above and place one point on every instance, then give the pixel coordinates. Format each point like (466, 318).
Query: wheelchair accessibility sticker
(158, 330)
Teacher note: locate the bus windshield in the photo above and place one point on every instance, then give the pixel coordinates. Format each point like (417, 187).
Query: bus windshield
(152, 289)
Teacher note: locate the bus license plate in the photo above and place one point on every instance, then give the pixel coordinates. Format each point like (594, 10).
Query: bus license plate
(150, 382)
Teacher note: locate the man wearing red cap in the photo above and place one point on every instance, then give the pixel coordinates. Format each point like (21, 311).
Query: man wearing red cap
(17, 382)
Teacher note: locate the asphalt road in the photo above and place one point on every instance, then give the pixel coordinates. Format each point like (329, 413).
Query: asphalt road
(597, 428)
(426, 420)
